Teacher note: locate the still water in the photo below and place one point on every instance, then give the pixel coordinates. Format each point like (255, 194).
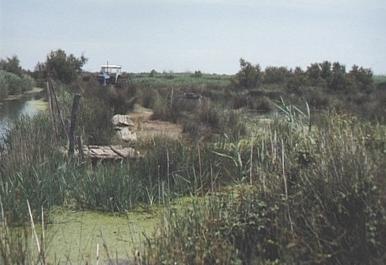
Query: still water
(10, 110)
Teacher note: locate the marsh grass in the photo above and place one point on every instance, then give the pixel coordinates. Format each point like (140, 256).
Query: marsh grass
(304, 192)
(316, 197)
(35, 169)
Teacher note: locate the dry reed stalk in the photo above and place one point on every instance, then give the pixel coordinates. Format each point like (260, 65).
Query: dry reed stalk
(33, 227)
(97, 255)
(285, 185)
(251, 164)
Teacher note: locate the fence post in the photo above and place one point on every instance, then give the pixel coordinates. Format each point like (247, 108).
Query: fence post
(74, 115)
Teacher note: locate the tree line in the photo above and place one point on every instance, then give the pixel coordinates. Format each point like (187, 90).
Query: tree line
(333, 76)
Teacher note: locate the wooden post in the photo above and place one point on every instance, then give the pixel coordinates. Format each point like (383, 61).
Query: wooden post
(51, 108)
(74, 115)
(53, 94)
(80, 147)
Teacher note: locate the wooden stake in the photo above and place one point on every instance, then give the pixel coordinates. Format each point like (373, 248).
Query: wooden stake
(57, 107)
(74, 115)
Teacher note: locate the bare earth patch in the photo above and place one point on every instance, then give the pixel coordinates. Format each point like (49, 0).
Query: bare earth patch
(147, 128)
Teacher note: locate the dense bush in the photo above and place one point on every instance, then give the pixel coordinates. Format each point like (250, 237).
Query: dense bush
(11, 84)
(95, 121)
(62, 67)
(3, 85)
(11, 65)
(197, 74)
(276, 75)
(249, 76)
(224, 229)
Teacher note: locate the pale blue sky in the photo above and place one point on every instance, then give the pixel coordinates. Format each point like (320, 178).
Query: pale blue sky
(183, 35)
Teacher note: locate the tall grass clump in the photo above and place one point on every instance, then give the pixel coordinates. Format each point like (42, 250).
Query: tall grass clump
(17, 246)
(168, 170)
(233, 228)
(29, 161)
(14, 245)
(95, 121)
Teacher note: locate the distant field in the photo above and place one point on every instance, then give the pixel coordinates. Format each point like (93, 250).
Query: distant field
(180, 80)
(379, 78)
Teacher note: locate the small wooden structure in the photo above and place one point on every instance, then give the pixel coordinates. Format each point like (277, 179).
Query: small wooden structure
(110, 152)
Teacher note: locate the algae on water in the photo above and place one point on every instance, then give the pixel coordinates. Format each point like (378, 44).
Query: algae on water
(74, 235)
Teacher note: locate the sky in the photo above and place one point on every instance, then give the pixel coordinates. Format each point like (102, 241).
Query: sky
(189, 35)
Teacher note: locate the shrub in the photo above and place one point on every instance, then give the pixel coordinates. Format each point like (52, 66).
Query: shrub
(197, 74)
(338, 78)
(249, 76)
(148, 96)
(361, 78)
(316, 98)
(11, 65)
(4, 86)
(276, 75)
(63, 67)
(11, 84)
(225, 229)
(233, 125)
(153, 73)
(239, 101)
(262, 104)
(164, 110)
(95, 121)
(209, 115)
(27, 83)
(253, 101)
(314, 72)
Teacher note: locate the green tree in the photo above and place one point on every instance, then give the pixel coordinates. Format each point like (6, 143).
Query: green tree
(297, 79)
(314, 72)
(338, 78)
(276, 75)
(325, 70)
(249, 76)
(153, 73)
(11, 65)
(361, 78)
(63, 67)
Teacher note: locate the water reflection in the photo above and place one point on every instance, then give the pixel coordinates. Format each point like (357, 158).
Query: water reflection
(12, 109)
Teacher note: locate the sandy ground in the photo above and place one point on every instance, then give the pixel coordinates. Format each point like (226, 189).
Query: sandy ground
(147, 128)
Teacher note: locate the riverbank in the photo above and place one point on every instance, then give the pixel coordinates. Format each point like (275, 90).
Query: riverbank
(28, 104)
(30, 93)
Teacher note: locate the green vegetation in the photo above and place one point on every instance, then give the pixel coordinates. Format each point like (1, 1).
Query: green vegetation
(13, 79)
(11, 65)
(379, 79)
(65, 68)
(263, 181)
(179, 80)
(308, 196)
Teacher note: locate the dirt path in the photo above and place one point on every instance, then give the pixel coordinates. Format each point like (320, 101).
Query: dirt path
(147, 128)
